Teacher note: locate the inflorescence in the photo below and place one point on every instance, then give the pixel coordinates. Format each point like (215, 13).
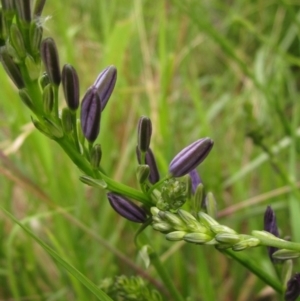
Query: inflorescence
(32, 63)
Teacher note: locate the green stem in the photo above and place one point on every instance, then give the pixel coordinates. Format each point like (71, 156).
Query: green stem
(256, 269)
(161, 270)
(268, 240)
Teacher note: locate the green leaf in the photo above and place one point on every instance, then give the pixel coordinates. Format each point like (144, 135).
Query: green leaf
(72, 270)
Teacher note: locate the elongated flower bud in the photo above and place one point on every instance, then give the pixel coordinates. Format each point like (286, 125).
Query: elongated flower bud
(17, 41)
(90, 114)
(190, 157)
(144, 133)
(12, 69)
(67, 121)
(151, 162)
(270, 225)
(70, 84)
(50, 58)
(38, 7)
(48, 99)
(126, 208)
(105, 84)
(35, 38)
(293, 288)
(23, 10)
(195, 179)
(96, 155)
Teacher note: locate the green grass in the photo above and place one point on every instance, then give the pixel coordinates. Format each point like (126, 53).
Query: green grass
(219, 69)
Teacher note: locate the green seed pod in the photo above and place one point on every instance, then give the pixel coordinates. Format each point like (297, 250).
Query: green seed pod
(12, 69)
(246, 244)
(96, 155)
(172, 219)
(285, 254)
(192, 224)
(206, 219)
(55, 130)
(221, 229)
(210, 205)
(286, 271)
(176, 235)
(67, 121)
(43, 128)
(35, 38)
(227, 238)
(198, 238)
(154, 211)
(162, 227)
(26, 99)
(44, 80)
(32, 67)
(17, 42)
(98, 183)
(48, 99)
(197, 200)
(142, 173)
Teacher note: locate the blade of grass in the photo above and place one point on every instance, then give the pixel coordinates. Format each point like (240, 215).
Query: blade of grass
(72, 270)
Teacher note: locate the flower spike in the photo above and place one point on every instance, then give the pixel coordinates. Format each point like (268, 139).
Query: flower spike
(190, 157)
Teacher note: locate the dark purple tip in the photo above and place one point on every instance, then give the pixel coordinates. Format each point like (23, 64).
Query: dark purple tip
(126, 208)
(144, 133)
(50, 59)
(190, 157)
(70, 83)
(151, 162)
(293, 288)
(90, 114)
(105, 84)
(270, 225)
(195, 178)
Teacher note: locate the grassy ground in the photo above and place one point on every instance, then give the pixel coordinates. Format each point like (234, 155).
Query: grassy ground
(228, 70)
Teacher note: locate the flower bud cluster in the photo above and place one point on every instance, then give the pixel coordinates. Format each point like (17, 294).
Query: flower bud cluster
(204, 230)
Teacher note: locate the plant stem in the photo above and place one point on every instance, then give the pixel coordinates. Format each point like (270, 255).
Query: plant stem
(252, 266)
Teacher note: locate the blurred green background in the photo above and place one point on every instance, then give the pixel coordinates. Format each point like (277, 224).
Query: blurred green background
(228, 70)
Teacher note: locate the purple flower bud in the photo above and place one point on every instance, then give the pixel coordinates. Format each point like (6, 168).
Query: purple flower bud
(293, 288)
(195, 178)
(70, 84)
(38, 7)
(90, 114)
(24, 10)
(105, 84)
(126, 208)
(190, 157)
(270, 225)
(12, 69)
(50, 58)
(144, 133)
(150, 161)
